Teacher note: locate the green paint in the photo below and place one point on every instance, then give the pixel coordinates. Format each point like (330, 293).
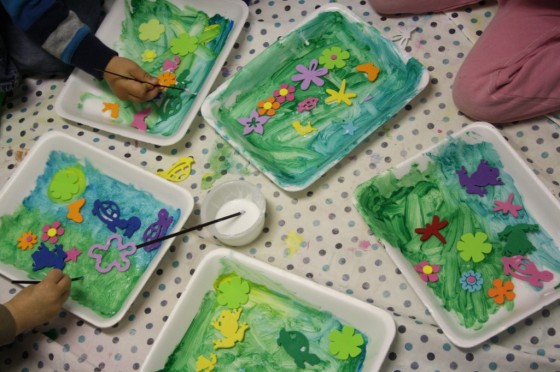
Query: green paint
(288, 158)
(169, 111)
(223, 160)
(269, 310)
(394, 207)
(102, 293)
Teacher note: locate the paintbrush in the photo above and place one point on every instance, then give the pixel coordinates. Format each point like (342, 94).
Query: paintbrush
(38, 281)
(145, 82)
(190, 229)
(197, 227)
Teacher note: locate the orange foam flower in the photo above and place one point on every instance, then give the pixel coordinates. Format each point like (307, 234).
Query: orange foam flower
(502, 291)
(268, 107)
(167, 79)
(27, 240)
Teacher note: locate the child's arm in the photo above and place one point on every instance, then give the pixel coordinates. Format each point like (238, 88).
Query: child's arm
(36, 304)
(59, 31)
(7, 326)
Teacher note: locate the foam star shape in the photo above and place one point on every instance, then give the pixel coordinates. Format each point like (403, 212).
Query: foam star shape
(340, 95)
(254, 123)
(507, 206)
(72, 255)
(349, 128)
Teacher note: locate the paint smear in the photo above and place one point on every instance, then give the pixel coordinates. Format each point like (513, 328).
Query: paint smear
(293, 242)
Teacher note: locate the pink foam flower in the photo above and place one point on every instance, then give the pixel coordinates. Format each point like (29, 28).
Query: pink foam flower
(52, 232)
(428, 272)
(285, 93)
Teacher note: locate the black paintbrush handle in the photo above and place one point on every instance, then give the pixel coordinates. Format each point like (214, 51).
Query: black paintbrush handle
(190, 229)
(38, 281)
(145, 82)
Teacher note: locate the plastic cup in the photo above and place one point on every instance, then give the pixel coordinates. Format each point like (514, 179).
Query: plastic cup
(231, 197)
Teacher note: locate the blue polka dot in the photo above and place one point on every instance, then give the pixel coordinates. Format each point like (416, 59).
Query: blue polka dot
(408, 346)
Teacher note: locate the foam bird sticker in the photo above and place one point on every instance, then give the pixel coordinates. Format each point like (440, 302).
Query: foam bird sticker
(113, 109)
(371, 70)
(179, 171)
(303, 130)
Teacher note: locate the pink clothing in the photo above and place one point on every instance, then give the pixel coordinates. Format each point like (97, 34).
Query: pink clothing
(513, 71)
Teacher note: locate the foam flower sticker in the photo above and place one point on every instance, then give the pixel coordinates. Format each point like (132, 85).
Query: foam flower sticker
(99, 252)
(345, 344)
(471, 281)
(52, 232)
(428, 272)
(268, 107)
(151, 30)
(184, 44)
(233, 292)
(149, 55)
(167, 79)
(285, 93)
(501, 291)
(311, 74)
(473, 247)
(27, 240)
(334, 57)
(254, 123)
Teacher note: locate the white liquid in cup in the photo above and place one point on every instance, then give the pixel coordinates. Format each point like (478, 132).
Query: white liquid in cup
(240, 224)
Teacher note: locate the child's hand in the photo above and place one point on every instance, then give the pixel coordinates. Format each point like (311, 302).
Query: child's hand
(39, 303)
(126, 89)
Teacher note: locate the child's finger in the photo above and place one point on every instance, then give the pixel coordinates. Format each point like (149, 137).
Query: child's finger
(64, 283)
(53, 276)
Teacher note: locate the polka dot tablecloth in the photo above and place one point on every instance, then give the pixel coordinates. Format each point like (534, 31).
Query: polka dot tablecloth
(316, 233)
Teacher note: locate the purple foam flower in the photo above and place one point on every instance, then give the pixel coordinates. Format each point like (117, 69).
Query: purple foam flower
(310, 74)
(122, 263)
(254, 123)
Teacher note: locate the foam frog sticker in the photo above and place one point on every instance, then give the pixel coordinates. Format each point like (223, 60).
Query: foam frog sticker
(227, 324)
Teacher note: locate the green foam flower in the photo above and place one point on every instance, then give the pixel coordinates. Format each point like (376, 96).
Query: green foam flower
(184, 44)
(473, 247)
(334, 57)
(345, 344)
(233, 292)
(151, 30)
